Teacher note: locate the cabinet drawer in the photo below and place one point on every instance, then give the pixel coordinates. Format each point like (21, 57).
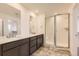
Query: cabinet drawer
(32, 49)
(14, 44)
(22, 41)
(12, 52)
(40, 36)
(32, 43)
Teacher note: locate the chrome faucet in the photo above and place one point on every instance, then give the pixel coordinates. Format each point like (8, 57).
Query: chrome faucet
(12, 34)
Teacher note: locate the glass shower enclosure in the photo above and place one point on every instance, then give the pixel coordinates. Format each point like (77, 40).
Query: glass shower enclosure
(58, 30)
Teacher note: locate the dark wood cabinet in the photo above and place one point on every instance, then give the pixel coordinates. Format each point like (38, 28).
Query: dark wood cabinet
(11, 52)
(16, 48)
(24, 50)
(32, 45)
(33, 49)
(22, 47)
(40, 41)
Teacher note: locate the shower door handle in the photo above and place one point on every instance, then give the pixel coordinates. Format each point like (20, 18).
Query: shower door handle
(67, 29)
(77, 34)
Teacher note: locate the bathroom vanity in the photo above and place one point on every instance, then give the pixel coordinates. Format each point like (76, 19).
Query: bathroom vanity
(21, 47)
(12, 43)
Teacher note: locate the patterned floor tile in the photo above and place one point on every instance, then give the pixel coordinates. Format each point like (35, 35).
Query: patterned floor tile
(43, 51)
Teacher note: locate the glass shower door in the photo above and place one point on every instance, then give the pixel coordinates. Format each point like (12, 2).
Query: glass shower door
(62, 31)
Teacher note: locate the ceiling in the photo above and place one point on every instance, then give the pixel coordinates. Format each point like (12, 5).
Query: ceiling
(7, 9)
(47, 8)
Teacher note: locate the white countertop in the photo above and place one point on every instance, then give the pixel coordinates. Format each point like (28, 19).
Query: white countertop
(18, 37)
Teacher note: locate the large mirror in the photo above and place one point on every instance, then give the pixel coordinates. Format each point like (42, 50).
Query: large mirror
(9, 21)
(32, 25)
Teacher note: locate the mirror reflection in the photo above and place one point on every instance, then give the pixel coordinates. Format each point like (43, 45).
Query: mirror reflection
(9, 21)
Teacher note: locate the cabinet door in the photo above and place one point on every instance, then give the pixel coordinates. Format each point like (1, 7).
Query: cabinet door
(33, 43)
(39, 41)
(24, 50)
(12, 52)
(33, 49)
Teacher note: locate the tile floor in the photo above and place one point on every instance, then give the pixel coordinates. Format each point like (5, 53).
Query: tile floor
(44, 51)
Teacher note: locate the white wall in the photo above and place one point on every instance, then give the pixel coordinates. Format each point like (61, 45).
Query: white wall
(40, 23)
(74, 42)
(50, 31)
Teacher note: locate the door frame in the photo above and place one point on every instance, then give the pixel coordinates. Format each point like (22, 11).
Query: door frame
(68, 30)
